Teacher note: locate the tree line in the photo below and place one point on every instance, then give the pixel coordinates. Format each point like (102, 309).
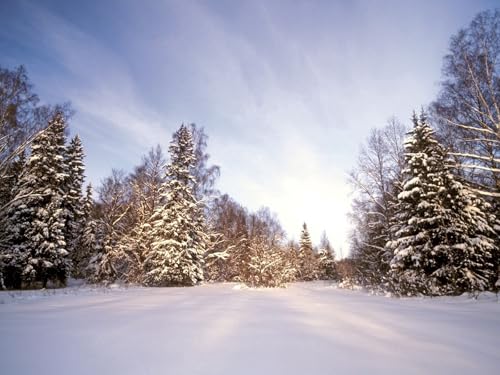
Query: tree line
(163, 224)
(425, 213)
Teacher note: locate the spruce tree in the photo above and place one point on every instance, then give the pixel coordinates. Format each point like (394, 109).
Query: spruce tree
(73, 200)
(178, 225)
(307, 260)
(36, 217)
(8, 184)
(87, 242)
(443, 242)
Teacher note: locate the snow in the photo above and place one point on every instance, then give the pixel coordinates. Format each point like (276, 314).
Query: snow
(307, 328)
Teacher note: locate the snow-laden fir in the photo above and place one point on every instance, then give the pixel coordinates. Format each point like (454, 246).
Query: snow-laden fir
(37, 251)
(178, 228)
(443, 240)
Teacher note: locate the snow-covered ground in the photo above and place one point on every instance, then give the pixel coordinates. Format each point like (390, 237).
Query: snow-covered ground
(308, 328)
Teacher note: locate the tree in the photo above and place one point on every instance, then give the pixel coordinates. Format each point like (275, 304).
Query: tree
(268, 265)
(326, 259)
(9, 177)
(18, 111)
(21, 116)
(292, 253)
(9, 182)
(443, 242)
(307, 260)
(376, 183)
(204, 175)
(87, 244)
(145, 184)
(128, 207)
(73, 200)
(36, 217)
(227, 256)
(178, 230)
(467, 109)
(21, 119)
(107, 262)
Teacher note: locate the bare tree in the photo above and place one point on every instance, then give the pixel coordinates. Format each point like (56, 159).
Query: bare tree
(268, 265)
(467, 110)
(145, 197)
(376, 182)
(21, 116)
(228, 252)
(241, 239)
(206, 175)
(113, 223)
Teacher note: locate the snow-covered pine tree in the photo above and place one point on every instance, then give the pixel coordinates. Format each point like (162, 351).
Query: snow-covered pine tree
(307, 260)
(36, 217)
(178, 226)
(73, 200)
(443, 242)
(87, 244)
(9, 178)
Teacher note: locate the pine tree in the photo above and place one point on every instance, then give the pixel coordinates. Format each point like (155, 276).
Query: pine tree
(307, 260)
(8, 184)
(443, 242)
(178, 226)
(36, 217)
(9, 179)
(87, 242)
(73, 200)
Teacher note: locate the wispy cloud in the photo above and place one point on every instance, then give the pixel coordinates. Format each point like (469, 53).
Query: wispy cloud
(285, 91)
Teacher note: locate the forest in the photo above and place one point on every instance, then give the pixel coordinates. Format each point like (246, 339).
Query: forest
(425, 212)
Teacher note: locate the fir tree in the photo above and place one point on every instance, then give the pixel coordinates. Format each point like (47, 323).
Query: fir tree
(307, 260)
(73, 201)
(87, 242)
(9, 179)
(36, 217)
(178, 227)
(8, 190)
(443, 242)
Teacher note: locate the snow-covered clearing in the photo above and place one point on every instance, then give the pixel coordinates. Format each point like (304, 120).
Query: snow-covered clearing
(308, 328)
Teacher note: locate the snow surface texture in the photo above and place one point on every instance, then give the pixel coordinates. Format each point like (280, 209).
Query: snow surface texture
(308, 328)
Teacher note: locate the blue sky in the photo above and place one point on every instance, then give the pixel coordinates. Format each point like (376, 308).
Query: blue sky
(286, 90)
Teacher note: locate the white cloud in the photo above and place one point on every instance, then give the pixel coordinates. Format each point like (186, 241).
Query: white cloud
(286, 93)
